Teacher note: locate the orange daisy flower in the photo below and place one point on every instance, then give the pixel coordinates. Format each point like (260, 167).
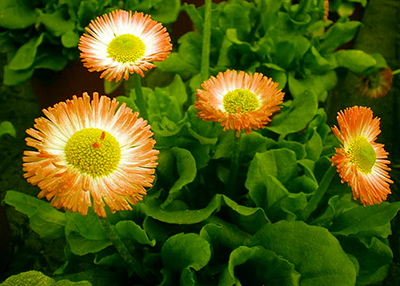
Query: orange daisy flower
(121, 43)
(360, 161)
(90, 150)
(240, 101)
(377, 84)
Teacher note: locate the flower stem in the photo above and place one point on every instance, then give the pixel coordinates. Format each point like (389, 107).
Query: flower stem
(395, 72)
(231, 185)
(319, 193)
(112, 235)
(139, 96)
(205, 54)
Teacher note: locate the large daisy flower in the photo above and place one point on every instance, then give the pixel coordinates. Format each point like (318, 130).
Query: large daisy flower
(240, 101)
(360, 161)
(121, 43)
(91, 151)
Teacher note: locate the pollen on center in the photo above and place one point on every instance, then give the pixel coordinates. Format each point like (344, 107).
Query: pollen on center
(93, 151)
(240, 101)
(126, 48)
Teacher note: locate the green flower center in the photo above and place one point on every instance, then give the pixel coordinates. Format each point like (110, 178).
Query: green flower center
(362, 154)
(240, 101)
(93, 151)
(126, 48)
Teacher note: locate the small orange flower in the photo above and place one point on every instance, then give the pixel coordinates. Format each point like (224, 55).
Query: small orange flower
(377, 84)
(240, 101)
(121, 43)
(360, 161)
(91, 150)
(326, 11)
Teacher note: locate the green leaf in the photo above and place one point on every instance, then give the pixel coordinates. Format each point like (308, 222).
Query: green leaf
(176, 64)
(187, 171)
(44, 219)
(15, 15)
(32, 277)
(315, 253)
(86, 12)
(314, 145)
(131, 231)
(16, 77)
(374, 256)
(190, 48)
(247, 218)
(371, 220)
(337, 35)
(297, 147)
(186, 250)
(25, 56)
(355, 60)
(70, 39)
(236, 15)
(50, 60)
(295, 117)
(85, 234)
(56, 22)
(166, 11)
(6, 127)
(258, 266)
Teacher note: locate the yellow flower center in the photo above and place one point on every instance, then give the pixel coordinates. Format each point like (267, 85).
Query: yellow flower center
(93, 151)
(362, 154)
(126, 48)
(240, 100)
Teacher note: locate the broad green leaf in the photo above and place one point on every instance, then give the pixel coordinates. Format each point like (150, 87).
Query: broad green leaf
(25, 56)
(371, 220)
(178, 89)
(315, 253)
(165, 11)
(295, 117)
(176, 64)
(85, 234)
(56, 22)
(313, 145)
(44, 219)
(247, 218)
(6, 127)
(356, 61)
(315, 62)
(131, 231)
(195, 16)
(190, 48)
(186, 250)
(236, 15)
(279, 163)
(14, 14)
(86, 12)
(32, 277)
(337, 35)
(258, 266)
(50, 60)
(219, 232)
(297, 147)
(374, 256)
(187, 171)
(287, 52)
(70, 39)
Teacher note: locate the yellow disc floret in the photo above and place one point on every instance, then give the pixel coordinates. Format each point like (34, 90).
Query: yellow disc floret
(126, 48)
(93, 151)
(362, 154)
(240, 101)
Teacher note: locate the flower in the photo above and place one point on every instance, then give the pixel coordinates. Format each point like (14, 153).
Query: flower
(376, 84)
(121, 43)
(326, 14)
(360, 161)
(238, 100)
(91, 150)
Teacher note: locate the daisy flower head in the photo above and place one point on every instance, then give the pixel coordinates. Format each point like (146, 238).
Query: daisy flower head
(120, 43)
(377, 84)
(360, 161)
(91, 152)
(240, 101)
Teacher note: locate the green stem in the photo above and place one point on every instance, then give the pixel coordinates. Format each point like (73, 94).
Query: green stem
(205, 54)
(139, 96)
(112, 235)
(319, 193)
(395, 72)
(231, 185)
